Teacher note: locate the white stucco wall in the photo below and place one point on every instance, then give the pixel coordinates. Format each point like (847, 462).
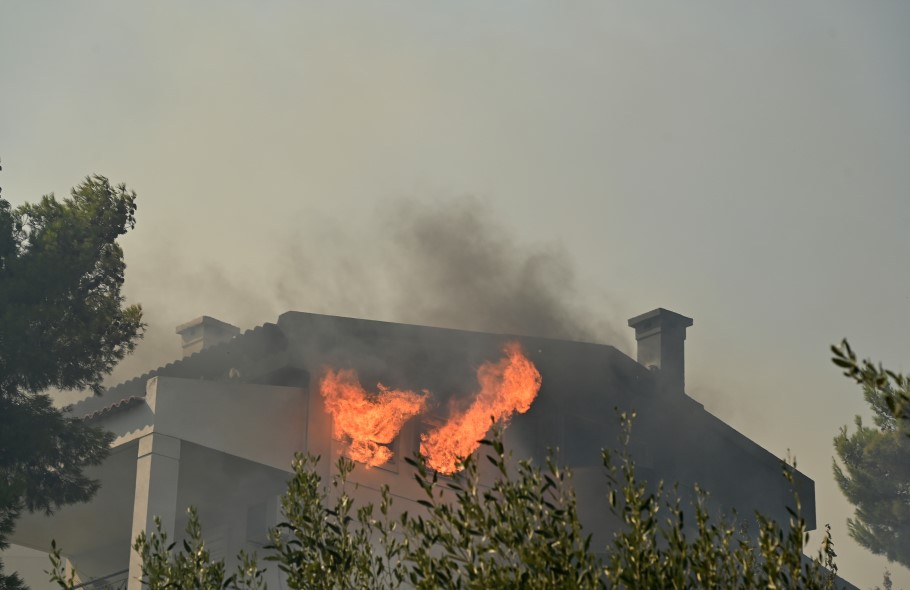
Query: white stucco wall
(261, 423)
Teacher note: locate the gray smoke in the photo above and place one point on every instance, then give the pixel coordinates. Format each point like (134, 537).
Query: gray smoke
(461, 269)
(445, 262)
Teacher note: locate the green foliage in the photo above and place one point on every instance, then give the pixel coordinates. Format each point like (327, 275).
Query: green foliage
(522, 531)
(63, 324)
(888, 392)
(63, 320)
(9, 511)
(191, 568)
(324, 544)
(874, 468)
(43, 454)
(655, 552)
(516, 529)
(59, 573)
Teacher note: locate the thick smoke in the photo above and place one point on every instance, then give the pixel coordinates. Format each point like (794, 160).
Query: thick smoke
(446, 262)
(457, 267)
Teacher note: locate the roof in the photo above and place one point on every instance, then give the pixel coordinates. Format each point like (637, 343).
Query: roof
(244, 353)
(120, 405)
(318, 339)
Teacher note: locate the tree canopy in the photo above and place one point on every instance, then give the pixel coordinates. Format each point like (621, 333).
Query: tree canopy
(874, 468)
(63, 325)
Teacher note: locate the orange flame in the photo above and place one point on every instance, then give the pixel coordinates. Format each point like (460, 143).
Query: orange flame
(370, 421)
(506, 387)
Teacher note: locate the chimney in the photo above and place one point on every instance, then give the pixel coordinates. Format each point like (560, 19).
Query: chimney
(661, 336)
(204, 332)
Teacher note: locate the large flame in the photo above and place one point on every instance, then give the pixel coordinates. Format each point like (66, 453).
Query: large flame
(506, 387)
(369, 420)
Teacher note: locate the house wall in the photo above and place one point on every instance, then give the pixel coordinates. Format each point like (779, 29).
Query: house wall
(261, 423)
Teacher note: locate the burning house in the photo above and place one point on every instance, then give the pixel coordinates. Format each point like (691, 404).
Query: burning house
(218, 428)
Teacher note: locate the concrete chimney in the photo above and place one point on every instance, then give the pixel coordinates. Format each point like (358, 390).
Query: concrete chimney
(661, 336)
(204, 332)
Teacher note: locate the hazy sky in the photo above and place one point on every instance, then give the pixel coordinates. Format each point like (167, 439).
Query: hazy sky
(743, 163)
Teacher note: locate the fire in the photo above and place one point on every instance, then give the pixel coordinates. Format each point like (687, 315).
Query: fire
(369, 420)
(372, 420)
(506, 387)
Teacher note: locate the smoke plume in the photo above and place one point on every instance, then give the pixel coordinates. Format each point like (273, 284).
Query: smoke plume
(445, 262)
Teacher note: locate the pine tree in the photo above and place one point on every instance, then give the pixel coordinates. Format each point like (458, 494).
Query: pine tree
(64, 325)
(874, 469)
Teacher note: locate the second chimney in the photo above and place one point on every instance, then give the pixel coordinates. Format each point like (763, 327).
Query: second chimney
(661, 336)
(204, 332)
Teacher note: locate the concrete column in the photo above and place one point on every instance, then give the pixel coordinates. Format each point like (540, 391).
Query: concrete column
(157, 470)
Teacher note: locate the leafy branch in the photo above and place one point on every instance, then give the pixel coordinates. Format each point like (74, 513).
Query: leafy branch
(894, 387)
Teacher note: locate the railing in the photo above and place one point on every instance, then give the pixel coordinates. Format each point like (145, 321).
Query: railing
(114, 581)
